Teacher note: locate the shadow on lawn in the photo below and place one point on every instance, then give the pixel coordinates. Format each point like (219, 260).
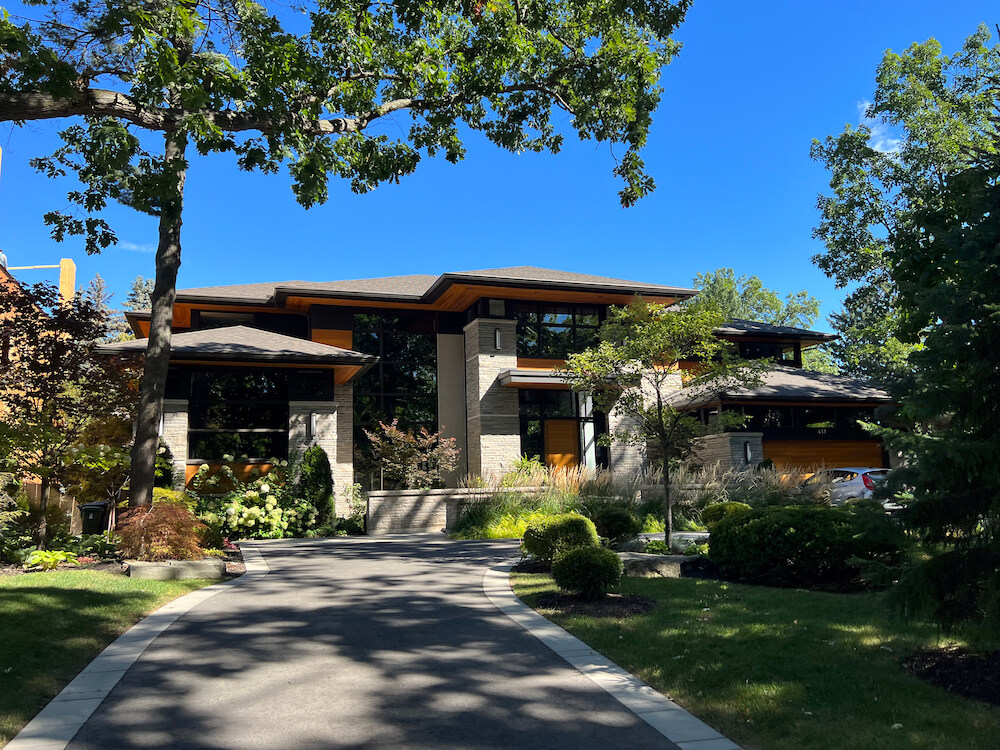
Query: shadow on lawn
(360, 644)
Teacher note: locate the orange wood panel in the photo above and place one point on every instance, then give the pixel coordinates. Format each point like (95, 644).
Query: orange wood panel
(534, 363)
(562, 442)
(811, 454)
(331, 337)
(242, 470)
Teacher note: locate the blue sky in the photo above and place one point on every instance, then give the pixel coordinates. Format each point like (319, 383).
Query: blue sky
(729, 150)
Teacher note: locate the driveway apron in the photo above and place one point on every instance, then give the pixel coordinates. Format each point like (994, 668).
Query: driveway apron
(359, 643)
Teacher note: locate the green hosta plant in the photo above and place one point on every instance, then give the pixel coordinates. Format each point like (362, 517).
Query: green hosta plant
(49, 559)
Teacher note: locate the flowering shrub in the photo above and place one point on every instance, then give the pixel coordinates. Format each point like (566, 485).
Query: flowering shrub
(259, 507)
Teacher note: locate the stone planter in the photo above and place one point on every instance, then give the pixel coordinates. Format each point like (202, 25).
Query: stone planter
(172, 570)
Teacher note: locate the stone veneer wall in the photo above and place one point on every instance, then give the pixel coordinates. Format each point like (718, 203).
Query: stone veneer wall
(416, 511)
(493, 429)
(175, 435)
(726, 449)
(632, 459)
(334, 433)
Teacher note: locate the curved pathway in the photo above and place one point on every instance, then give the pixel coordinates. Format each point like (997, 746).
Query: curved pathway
(371, 643)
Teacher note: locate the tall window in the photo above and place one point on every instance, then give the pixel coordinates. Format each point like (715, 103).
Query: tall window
(555, 331)
(403, 385)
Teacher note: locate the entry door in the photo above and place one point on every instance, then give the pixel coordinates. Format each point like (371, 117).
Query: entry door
(562, 442)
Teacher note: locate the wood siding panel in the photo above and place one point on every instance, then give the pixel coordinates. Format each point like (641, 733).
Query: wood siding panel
(811, 454)
(331, 337)
(562, 443)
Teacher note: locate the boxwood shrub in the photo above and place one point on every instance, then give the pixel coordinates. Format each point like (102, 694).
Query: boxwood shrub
(716, 512)
(546, 536)
(804, 545)
(587, 571)
(615, 523)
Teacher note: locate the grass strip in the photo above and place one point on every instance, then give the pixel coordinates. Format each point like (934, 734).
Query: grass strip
(781, 669)
(53, 624)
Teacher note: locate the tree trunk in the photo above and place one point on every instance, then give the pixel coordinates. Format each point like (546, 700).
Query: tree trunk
(43, 506)
(668, 503)
(154, 374)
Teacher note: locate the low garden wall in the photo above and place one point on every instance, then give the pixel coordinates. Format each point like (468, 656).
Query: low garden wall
(413, 511)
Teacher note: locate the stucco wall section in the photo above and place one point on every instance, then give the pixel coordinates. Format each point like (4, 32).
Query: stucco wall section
(175, 435)
(493, 429)
(451, 398)
(727, 449)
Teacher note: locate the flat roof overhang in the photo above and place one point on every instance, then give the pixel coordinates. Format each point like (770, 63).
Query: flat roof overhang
(534, 379)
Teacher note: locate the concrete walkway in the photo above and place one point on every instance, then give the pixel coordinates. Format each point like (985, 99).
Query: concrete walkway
(388, 643)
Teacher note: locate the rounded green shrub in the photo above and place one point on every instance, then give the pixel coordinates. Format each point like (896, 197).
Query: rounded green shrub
(803, 545)
(616, 523)
(587, 571)
(315, 483)
(717, 511)
(545, 537)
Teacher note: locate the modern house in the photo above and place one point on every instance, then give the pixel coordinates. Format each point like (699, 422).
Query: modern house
(260, 371)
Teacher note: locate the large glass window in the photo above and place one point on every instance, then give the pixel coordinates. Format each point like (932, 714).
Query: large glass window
(535, 407)
(403, 385)
(243, 411)
(807, 421)
(555, 331)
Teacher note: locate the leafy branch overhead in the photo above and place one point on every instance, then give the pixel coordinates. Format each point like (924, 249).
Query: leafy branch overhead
(227, 75)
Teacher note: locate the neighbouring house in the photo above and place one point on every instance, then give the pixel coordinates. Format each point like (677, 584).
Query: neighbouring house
(259, 371)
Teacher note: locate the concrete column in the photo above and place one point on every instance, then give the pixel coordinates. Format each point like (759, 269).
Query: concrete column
(451, 398)
(175, 435)
(493, 429)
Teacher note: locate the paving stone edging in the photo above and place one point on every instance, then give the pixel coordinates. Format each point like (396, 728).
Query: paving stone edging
(680, 727)
(56, 724)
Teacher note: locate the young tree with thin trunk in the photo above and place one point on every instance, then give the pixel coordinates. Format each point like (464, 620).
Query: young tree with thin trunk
(52, 388)
(225, 75)
(634, 372)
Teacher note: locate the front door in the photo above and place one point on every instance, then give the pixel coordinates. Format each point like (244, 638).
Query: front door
(562, 442)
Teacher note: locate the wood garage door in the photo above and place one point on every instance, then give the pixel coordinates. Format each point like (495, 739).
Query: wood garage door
(811, 454)
(562, 442)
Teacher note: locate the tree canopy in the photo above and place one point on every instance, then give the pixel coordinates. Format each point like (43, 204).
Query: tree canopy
(633, 372)
(53, 387)
(948, 283)
(930, 115)
(229, 76)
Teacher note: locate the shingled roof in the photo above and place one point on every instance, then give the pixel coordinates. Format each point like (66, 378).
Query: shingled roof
(736, 327)
(424, 287)
(245, 344)
(792, 384)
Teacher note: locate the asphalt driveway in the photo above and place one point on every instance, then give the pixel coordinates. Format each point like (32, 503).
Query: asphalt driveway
(359, 643)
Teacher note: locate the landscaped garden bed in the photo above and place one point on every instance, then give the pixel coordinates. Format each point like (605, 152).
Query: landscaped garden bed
(781, 669)
(54, 623)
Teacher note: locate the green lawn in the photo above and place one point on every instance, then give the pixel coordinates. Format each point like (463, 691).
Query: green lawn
(53, 624)
(778, 669)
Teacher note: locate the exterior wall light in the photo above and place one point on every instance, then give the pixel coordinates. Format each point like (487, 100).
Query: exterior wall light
(747, 453)
(497, 339)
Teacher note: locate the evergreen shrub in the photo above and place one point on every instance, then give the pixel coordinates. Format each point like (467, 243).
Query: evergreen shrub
(587, 571)
(804, 545)
(315, 484)
(545, 537)
(615, 523)
(716, 512)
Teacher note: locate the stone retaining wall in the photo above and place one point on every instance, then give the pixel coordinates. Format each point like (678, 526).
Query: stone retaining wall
(414, 511)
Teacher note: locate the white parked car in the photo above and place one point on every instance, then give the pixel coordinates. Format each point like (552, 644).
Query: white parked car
(848, 482)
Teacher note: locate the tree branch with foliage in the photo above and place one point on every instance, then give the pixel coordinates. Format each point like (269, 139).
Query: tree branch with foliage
(53, 387)
(634, 372)
(226, 76)
(413, 460)
(930, 116)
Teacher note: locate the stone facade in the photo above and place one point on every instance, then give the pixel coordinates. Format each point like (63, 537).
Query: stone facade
(493, 429)
(728, 449)
(330, 425)
(175, 435)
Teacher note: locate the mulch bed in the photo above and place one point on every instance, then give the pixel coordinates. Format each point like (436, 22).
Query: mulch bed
(961, 671)
(613, 605)
(531, 565)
